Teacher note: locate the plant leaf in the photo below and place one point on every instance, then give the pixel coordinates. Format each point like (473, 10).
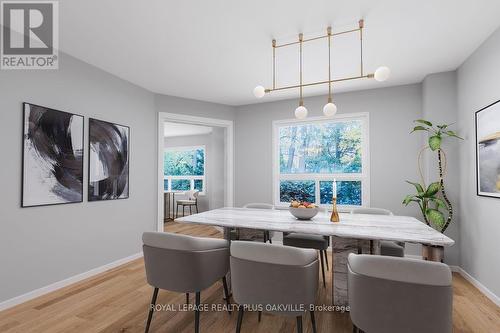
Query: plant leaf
(435, 142)
(423, 121)
(419, 187)
(436, 217)
(442, 126)
(440, 203)
(409, 198)
(432, 189)
(419, 128)
(453, 134)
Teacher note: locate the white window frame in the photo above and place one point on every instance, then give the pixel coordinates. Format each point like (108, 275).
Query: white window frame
(190, 178)
(364, 176)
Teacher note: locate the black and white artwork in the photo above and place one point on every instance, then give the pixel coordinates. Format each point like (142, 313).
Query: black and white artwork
(52, 157)
(488, 150)
(109, 156)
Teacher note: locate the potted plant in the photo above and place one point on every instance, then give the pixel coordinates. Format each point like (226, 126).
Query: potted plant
(432, 199)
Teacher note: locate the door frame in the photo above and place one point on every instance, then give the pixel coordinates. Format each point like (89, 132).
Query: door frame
(229, 155)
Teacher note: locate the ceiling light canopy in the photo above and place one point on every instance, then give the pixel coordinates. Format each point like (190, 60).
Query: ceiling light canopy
(330, 109)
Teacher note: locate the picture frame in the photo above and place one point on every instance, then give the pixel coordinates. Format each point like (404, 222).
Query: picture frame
(52, 156)
(487, 132)
(108, 161)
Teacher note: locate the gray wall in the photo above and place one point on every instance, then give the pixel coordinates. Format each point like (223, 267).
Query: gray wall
(43, 245)
(392, 150)
(215, 164)
(478, 84)
(439, 105)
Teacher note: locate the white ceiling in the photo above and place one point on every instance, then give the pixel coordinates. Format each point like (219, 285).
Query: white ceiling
(219, 50)
(178, 129)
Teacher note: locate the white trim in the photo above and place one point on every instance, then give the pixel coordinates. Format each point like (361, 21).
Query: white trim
(364, 176)
(229, 154)
(485, 291)
(66, 282)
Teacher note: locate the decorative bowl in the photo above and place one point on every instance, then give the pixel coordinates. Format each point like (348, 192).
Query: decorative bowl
(304, 213)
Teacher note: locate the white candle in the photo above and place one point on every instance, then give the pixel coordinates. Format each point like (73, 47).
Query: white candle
(334, 188)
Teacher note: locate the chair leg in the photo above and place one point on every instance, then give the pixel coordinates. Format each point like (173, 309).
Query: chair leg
(197, 206)
(299, 324)
(187, 298)
(260, 315)
(269, 237)
(322, 268)
(177, 211)
(240, 319)
(265, 236)
(197, 313)
(326, 259)
(226, 293)
(190, 210)
(183, 210)
(313, 321)
(151, 310)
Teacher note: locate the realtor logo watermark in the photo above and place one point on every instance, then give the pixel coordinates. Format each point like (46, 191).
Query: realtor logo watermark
(29, 35)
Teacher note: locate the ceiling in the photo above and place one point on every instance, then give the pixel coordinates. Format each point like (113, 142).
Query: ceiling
(219, 50)
(178, 129)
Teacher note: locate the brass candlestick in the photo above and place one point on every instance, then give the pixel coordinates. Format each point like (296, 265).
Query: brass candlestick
(335, 213)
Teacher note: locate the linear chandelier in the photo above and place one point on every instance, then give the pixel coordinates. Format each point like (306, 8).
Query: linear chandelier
(330, 109)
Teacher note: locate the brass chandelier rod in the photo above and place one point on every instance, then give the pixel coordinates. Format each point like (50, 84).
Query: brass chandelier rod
(367, 76)
(301, 41)
(319, 37)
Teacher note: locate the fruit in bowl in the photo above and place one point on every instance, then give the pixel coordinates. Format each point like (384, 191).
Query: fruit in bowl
(303, 210)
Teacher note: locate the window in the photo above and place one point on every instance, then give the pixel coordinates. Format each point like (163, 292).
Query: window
(309, 155)
(184, 169)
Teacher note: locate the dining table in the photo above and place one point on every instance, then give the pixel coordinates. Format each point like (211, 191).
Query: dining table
(354, 233)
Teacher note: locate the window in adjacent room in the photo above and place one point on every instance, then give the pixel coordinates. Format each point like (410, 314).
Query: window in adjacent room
(184, 169)
(310, 154)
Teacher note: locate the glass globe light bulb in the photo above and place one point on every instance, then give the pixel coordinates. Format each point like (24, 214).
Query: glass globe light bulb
(259, 91)
(301, 112)
(382, 73)
(330, 109)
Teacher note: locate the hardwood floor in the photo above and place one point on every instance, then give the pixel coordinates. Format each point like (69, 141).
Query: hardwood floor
(117, 301)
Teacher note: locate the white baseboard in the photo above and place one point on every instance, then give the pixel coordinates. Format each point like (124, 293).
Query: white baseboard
(66, 282)
(488, 293)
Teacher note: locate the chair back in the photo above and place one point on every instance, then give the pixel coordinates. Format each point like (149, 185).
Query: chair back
(192, 195)
(268, 275)
(390, 294)
(184, 263)
(369, 210)
(259, 205)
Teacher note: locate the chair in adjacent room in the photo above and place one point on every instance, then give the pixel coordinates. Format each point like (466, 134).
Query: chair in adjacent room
(265, 276)
(184, 264)
(190, 201)
(387, 248)
(390, 294)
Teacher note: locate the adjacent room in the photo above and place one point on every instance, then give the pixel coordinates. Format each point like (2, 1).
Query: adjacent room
(234, 166)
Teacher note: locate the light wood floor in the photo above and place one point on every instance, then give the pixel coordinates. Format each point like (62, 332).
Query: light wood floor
(117, 301)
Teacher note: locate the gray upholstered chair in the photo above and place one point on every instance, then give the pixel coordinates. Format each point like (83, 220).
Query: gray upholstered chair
(389, 294)
(309, 241)
(252, 234)
(266, 233)
(190, 201)
(184, 264)
(265, 276)
(387, 248)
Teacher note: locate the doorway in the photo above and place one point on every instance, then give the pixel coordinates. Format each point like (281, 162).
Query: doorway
(194, 153)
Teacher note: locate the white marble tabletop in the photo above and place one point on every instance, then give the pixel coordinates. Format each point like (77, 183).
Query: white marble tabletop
(359, 226)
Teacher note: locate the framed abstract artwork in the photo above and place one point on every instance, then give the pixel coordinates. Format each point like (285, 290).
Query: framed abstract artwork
(52, 164)
(488, 150)
(109, 157)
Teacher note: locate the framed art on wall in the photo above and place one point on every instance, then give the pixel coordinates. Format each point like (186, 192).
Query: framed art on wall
(52, 165)
(109, 156)
(488, 150)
